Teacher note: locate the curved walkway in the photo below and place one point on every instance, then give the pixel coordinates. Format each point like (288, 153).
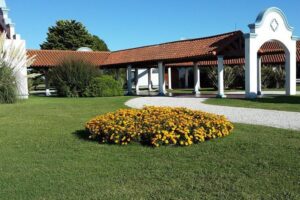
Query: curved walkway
(278, 119)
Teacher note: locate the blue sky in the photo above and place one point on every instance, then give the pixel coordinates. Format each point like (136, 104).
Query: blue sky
(132, 23)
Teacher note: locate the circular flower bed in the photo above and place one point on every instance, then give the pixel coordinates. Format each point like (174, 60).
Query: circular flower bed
(157, 126)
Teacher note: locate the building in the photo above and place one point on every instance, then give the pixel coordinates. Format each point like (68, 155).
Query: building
(179, 74)
(14, 41)
(179, 63)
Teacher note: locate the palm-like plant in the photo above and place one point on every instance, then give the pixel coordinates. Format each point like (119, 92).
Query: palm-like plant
(229, 76)
(279, 76)
(13, 63)
(13, 55)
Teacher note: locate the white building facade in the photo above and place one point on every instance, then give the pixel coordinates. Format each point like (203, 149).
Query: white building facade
(14, 41)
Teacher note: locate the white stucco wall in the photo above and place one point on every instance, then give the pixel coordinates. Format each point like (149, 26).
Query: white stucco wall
(21, 74)
(20, 71)
(143, 78)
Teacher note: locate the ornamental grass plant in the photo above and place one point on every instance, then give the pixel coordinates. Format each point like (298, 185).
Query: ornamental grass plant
(8, 86)
(13, 59)
(156, 126)
(73, 77)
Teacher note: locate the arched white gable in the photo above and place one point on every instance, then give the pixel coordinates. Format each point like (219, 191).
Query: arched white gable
(270, 25)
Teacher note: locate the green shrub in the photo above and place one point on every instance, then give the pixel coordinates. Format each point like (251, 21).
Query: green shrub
(73, 78)
(8, 87)
(105, 86)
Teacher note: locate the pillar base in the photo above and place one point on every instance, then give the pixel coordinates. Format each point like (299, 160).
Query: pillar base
(23, 97)
(161, 94)
(197, 94)
(129, 94)
(251, 96)
(290, 93)
(259, 93)
(221, 96)
(48, 93)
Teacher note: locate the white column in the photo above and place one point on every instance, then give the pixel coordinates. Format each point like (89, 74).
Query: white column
(161, 74)
(47, 87)
(186, 77)
(259, 76)
(251, 69)
(136, 78)
(21, 71)
(164, 85)
(150, 79)
(129, 80)
(196, 79)
(170, 78)
(199, 69)
(221, 93)
(290, 67)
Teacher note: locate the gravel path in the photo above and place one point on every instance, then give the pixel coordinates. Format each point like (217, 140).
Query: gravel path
(278, 119)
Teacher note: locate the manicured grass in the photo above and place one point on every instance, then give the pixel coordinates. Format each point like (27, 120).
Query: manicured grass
(203, 91)
(44, 155)
(214, 91)
(285, 103)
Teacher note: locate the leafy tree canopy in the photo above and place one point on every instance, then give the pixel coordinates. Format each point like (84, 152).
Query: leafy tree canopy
(71, 35)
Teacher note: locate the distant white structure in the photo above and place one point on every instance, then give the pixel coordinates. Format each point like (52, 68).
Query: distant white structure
(14, 39)
(85, 49)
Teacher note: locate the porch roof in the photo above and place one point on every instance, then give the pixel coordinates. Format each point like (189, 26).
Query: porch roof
(53, 58)
(201, 50)
(186, 50)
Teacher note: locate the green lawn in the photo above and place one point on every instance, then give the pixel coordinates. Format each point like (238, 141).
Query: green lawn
(44, 155)
(214, 91)
(286, 103)
(203, 91)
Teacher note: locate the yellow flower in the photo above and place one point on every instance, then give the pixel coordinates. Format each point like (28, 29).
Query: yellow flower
(157, 126)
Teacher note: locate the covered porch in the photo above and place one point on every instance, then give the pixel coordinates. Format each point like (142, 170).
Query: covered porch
(163, 77)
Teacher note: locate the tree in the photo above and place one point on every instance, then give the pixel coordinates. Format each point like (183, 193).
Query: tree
(71, 35)
(99, 44)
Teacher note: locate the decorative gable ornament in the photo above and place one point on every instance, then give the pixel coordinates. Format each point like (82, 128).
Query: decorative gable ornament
(274, 25)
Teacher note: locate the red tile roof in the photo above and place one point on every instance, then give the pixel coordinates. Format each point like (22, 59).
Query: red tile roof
(174, 51)
(277, 58)
(52, 58)
(182, 52)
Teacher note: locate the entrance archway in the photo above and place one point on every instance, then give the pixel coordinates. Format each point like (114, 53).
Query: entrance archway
(270, 25)
(271, 74)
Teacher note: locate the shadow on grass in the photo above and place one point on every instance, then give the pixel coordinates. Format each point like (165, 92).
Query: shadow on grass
(82, 135)
(276, 99)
